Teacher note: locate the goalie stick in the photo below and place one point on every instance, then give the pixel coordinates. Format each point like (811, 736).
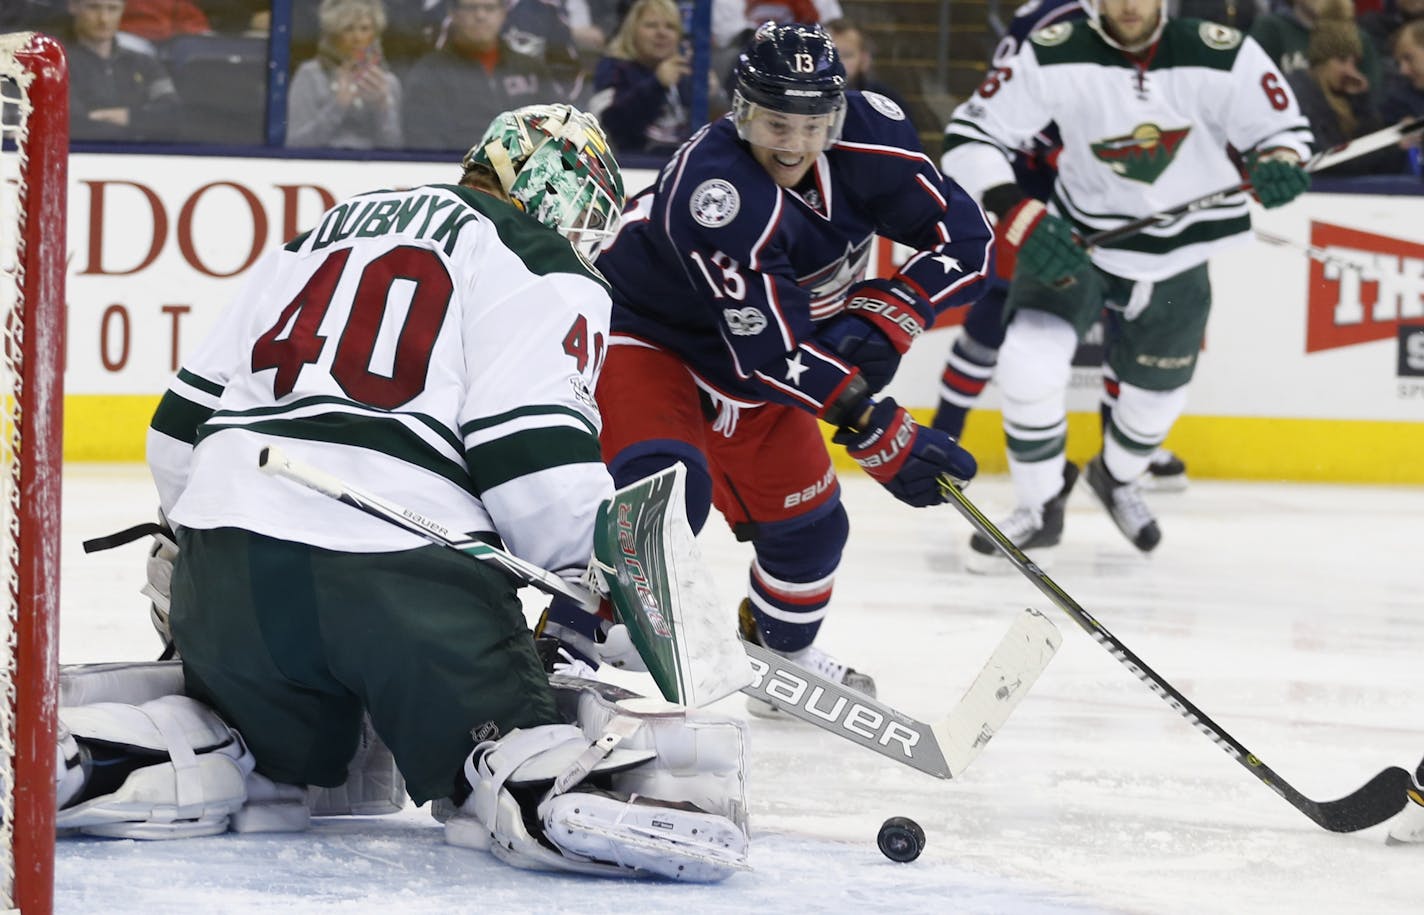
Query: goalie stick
(1324, 159)
(943, 749)
(1376, 801)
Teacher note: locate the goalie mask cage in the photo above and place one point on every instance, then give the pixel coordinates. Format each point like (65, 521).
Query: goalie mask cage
(34, 145)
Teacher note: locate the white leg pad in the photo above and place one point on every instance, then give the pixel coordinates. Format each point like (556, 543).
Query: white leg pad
(1146, 417)
(373, 786)
(132, 683)
(677, 809)
(192, 794)
(272, 807)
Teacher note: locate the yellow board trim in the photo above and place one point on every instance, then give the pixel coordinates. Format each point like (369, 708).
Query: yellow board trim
(101, 427)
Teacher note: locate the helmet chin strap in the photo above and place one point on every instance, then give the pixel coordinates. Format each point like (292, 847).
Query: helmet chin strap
(499, 160)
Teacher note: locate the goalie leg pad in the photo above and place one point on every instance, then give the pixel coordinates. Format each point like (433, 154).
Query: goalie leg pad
(676, 808)
(194, 783)
(129, 682)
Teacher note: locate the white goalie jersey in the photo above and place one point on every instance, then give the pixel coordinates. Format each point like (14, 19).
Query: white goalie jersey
(1138, 137)
(435, 346)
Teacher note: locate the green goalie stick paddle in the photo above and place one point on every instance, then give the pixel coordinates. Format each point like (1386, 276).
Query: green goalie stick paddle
(1378, 800)
(943, 749)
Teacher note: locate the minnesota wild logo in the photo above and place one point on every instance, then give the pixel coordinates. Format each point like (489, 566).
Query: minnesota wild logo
(1144, 154)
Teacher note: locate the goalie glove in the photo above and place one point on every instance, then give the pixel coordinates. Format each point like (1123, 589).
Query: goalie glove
(906, 458)
(1276, 176)
(1030, 239)
(880, 321)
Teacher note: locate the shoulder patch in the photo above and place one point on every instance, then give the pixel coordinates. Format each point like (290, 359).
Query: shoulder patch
(1053, 35)
(714, 203)
(884, 105)
(1219, 37)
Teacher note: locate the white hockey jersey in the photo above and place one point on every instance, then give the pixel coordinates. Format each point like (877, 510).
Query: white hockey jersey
(434, 346)
(1139, 137)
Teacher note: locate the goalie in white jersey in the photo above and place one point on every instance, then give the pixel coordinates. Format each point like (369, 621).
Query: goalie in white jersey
(1147, 109)
(439, 346)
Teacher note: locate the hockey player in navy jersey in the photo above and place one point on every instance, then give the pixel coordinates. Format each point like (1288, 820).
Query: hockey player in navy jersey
(742, 316)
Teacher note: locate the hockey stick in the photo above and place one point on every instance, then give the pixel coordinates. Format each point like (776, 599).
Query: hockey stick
(942, 750)
(1313, 252)
(1379, 799)
(1324, 159)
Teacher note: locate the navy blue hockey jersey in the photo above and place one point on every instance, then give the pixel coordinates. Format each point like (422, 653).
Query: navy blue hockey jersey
(719, 265)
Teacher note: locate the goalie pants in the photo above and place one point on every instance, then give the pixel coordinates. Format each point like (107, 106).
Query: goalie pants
(765, 467)
(289, 643)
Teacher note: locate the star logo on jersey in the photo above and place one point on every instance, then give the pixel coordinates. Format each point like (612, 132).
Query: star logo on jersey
(950, 264)
(1144, 154)
(795, 368)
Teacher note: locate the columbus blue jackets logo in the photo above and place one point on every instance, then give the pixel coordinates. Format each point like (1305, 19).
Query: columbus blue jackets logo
(1144, 154)
(715, 203)
(744, 322)
(884, 105)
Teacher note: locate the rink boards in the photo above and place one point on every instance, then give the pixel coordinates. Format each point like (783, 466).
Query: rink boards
(1313, 367)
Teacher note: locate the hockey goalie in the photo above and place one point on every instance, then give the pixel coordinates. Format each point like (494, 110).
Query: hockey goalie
(303, 628)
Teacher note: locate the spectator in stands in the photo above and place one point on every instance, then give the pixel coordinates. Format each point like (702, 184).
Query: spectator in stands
(454, 92)
(160, 20)
(1239, 14)
(854, 49)
(1383, 24)
(1334, 95)
(1406, 95)
(26, 15)
(1285, 35)
(239, 17)
(543, 29)
(114, 94)
(642, 88)
(344, 96)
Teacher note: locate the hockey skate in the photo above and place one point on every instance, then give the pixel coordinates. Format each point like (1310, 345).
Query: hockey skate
(1034, 530)
(812, 658)
(1166, 473)
(1125, 504)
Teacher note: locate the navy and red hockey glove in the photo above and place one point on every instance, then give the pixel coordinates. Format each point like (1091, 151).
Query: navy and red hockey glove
(881, 319)
(906, 458)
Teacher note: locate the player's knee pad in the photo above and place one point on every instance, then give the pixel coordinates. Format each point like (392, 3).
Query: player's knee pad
(1145, 417)
(639, 462)
(169, 768)
(1035, 364)
(636, 788)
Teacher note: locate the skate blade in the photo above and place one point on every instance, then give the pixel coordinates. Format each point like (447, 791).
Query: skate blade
(1175, 483)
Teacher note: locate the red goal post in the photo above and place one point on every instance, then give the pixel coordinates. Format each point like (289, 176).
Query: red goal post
(34, 149)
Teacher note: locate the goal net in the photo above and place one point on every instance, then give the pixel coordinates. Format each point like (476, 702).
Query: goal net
(34, 126)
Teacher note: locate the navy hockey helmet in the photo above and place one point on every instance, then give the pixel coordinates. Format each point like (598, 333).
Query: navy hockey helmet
(790, 69)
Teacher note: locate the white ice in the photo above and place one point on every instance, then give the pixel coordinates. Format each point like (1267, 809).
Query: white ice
(1290, 614)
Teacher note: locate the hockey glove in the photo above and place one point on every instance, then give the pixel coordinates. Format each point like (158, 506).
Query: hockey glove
(881, 319)
(567, 634)
(1032, 240)
(906, 458)
(1277, 177)
(159, 586)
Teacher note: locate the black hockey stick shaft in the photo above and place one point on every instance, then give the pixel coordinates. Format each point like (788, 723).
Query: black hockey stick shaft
(1378, 800)
(1326, 158)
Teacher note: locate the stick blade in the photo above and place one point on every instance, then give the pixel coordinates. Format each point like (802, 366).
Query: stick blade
(1010, 672)
(1379, 799)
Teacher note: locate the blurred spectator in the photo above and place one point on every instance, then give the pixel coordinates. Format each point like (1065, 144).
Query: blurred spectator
(1335, 96)
(114, 94)
(160, 20)
(1382, 25)
(542, 29)
(239, 17)
(414, 26)
(1405, 95)
(733, 21)
(1286, 34)
(1238, 14)
(454, 92)
(854, 49)
(26, 15)
(344, 96)
(642, 89)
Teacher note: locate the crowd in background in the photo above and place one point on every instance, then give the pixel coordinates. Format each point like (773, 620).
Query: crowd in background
(427, 74)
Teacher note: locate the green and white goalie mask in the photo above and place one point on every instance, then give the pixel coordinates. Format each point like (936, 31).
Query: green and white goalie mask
(1143, 8)
(554, 163)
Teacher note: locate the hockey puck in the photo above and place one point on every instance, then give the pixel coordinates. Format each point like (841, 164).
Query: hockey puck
(901, 839)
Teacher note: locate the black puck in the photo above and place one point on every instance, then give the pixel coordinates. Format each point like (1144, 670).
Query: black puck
(901, 839)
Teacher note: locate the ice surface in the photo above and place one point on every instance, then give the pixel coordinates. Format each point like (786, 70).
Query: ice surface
(1290, 614)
